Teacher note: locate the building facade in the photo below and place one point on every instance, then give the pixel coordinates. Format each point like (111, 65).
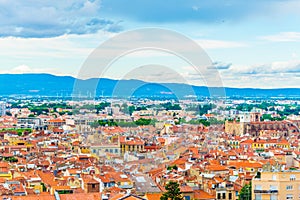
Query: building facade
(2, 108)
(277, 185)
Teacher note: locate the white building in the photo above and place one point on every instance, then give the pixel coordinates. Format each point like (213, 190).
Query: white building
(2, 108)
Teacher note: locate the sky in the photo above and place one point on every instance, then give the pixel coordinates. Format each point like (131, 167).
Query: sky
(251, 43)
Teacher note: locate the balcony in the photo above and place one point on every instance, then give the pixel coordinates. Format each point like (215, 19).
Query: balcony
(265, 191)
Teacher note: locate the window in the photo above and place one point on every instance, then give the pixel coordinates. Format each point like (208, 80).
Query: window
(258, 197)
(224, 195)
(293, 177)
(289, 187)
(274, 177)
(93, 186)
(187, 197)
(289, 196)
(258, 187)
(230, 196)
(219, 195)
(273, 197)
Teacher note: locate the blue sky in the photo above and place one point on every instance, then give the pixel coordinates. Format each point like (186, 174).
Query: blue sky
(252, 43)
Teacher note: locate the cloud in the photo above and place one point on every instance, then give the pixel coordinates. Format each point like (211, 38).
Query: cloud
(284, 74)
(25, 69)
(220, 66)
(21, 69)
(220, 44)
(283, 37)
(281, 74)
(52, 18)
(269, 68)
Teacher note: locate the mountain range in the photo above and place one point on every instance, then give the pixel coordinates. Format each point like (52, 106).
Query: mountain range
(66, 86)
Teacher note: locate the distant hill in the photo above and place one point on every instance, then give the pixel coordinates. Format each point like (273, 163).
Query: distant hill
(51, 85)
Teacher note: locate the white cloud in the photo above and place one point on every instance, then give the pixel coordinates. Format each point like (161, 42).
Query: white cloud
(280, 74)
(283, 37)
(63, 54)
(21, 69)
(40, 19)
(25, 69)
(273, 68)
(294, 55)
(220, 44)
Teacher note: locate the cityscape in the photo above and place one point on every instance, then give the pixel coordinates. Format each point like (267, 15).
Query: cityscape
(122, 148)
(149, 100)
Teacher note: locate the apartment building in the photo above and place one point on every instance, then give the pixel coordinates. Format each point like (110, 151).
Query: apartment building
(277, 185)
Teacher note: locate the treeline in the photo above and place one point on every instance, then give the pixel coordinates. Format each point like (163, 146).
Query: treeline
(270, 106)
(201, 109)
(111, 122)
(19, 131)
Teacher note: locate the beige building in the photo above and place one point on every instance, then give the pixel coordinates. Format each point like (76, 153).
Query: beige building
(277, 185)
(234, 127)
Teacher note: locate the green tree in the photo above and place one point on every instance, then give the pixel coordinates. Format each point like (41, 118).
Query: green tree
(215, 121)
(258, 175)
(101, 106)
(205, 108)
(199, 121)
(127, 124)
(170, 106)
(172, 167)
(266, 117)
(8, 113)
(109, 122)
(31, 115)
(245, 192)
(44, 187)
(94, 124)
(142, 122)
(173, 192)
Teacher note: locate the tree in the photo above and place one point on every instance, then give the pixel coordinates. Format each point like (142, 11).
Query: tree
(101, 106)
(266, 117)
(8, 113)
(31, 115)
(258, 175)
(215, 121)
(170, 106)
(172, 167)
(142, 122)
(173, 192)
(199, 121)
(95, 124)
(245, 192)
